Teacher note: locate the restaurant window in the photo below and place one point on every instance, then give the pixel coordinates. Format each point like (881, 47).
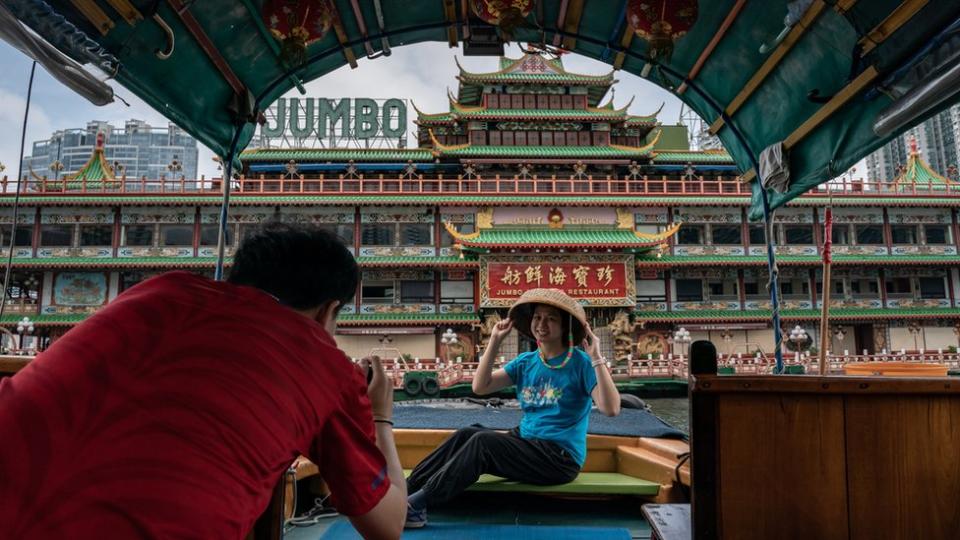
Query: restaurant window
(869, 234)
(138, 235)
(376, 292)
(840, 234)
(24, 237)
(903, 234)
(56, 235)
(751, 288)
(932, 287)
(936, 234)
(209, 234)
(798, 234)
(96, 235)
(416, 234)
(725, 234)
(377, 234)
(343, 231)
(456, 292)
(786, 288)
(176, 235)
(416, 292)
(689, 290)
(758, 235)
(899, 285)
(690, 235)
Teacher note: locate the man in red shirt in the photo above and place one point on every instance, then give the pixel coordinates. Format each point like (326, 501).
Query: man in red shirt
(175, 410)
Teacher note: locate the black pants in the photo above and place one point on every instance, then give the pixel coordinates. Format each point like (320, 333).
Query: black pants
(475, 450)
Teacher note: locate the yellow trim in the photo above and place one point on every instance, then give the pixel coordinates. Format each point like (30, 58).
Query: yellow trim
(771, 62)
(452, 229)
(900, 16)
(653, 115)
(655, 237)
(915, 161)
(513, 63)
(485, 218)
(644, 148)
(444, 147)
(457, 107)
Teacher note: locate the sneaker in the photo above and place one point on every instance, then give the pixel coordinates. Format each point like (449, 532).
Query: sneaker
(415, 518)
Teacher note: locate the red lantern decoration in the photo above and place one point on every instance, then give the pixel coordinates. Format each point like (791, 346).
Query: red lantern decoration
(296, 24)
(660, 22)
(507, 14)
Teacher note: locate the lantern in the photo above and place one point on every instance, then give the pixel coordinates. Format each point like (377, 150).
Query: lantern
(507, 14)
(296, 24)
(660, 22)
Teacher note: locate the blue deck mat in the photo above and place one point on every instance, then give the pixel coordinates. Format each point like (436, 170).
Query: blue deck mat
(630, 422)
(342, 530)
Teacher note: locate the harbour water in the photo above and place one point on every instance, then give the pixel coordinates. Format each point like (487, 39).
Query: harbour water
(673, 411)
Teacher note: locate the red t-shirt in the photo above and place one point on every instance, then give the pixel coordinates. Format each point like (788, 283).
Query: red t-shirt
(174, 411)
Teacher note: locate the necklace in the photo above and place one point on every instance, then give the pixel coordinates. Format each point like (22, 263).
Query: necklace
(543, 358)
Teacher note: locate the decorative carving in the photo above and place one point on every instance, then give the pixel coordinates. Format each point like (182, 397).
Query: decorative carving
(486, 328)
(621, 331)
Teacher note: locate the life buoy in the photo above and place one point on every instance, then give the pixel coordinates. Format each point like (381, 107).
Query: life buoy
(431, 386)
(413, 386)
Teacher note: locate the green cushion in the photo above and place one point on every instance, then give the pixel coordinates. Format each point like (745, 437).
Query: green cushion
(586, 483)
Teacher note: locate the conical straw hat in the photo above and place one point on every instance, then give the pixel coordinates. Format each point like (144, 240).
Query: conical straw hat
(522, 311)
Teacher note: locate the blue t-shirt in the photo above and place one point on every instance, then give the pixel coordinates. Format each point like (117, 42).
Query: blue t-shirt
(555, 402)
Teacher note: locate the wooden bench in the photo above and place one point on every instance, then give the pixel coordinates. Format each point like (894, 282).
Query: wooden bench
(586, 483)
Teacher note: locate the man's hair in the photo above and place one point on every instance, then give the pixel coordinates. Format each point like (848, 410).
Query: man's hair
(303, 266)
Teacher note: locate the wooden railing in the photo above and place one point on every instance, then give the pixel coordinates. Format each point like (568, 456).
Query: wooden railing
(491, 185)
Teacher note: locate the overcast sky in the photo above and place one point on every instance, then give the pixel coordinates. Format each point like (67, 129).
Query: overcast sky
(420, 72)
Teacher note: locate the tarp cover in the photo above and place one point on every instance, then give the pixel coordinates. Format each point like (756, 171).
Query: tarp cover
(189, 88)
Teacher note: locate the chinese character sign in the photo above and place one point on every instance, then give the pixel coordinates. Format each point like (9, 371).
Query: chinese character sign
(597, 283)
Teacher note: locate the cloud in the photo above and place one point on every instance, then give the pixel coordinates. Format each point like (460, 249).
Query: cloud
(420, 73)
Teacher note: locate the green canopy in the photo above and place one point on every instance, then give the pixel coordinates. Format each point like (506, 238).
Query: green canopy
(817, 90)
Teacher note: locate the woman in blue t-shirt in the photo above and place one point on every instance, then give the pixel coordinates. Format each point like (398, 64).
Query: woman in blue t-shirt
(556, 386)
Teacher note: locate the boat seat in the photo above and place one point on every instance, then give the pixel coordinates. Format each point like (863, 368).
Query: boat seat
(586, 483)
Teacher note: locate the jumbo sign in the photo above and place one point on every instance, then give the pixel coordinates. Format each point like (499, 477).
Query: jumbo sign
(594, 280)
(322, 118)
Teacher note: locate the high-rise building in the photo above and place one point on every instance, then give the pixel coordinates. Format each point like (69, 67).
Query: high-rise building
(135, 150)
(938, 140)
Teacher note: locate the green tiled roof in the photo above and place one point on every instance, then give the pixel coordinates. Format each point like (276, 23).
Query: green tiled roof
(737, 260)
(549, 78)
(182, 262)
(558, 237)
(919, 175)
(693, 157)
(338, 154)
(240, 199)
(406, 318)
(413, 261)
(549, 114)
(42, 320)
(835, 313)
(546, 151)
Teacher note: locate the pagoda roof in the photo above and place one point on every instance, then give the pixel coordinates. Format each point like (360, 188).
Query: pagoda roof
(96, 169)
(725, 315)
(607, 151)
(337, 154)
(692, 156)
(568, 237)
(531, 68)
(669, 261)
(919, 173)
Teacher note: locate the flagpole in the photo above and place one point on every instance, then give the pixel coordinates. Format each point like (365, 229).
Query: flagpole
(825, 310)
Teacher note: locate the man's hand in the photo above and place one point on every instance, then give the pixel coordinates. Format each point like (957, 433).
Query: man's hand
(500, 330)
(380, 389)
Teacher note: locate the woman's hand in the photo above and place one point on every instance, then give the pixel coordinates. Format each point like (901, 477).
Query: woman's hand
(591, 344)
(500, 330)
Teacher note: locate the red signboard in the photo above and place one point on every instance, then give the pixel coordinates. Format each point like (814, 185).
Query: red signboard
(608, 282)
